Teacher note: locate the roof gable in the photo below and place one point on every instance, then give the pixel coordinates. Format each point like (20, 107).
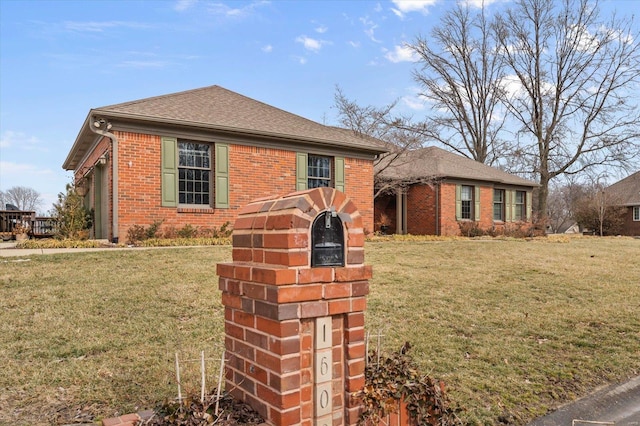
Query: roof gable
(627, 190)
(434, 162)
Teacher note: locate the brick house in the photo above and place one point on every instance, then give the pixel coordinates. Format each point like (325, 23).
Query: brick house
(196, 157)
(435, 192)
(626, 192)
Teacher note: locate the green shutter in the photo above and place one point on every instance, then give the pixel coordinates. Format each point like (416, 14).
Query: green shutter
(476, 199)
(169, 172)
(301, 171)
(507, 205)
(222, 175)
(458, 202)
(339, 170)
(529, 206)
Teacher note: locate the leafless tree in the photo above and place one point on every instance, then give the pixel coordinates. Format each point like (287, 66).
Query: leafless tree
(461, 75)
(382, 126)
(575, 87)
(599, 210)
(22, 197)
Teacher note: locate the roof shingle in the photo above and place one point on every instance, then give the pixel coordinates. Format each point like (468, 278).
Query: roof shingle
(627, 190)
(434, 162)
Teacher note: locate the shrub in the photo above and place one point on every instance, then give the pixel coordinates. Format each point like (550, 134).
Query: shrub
(392, 378)
(470, 229)
(73, 219)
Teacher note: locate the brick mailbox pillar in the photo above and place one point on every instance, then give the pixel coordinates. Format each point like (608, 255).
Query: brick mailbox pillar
(294, 333)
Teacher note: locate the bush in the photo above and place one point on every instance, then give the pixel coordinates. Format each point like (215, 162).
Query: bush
(72, 218)
(154, 236)
(392, 378)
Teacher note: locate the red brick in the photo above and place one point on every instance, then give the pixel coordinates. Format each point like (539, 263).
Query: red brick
(278, 328)
(353, 335)
(339, 306)
(225, 270)
(355, 367)
(360, 288)
(337, 290)
(355, 239)
(299, 293)
(242, 318)
(284, 240)
(231, 301)
(254, 290)
(313, 309)
(355, 319)
(242, 255)
(315, 275)
(358, 304)
(274, 276)
(357, 273)
(291, 417)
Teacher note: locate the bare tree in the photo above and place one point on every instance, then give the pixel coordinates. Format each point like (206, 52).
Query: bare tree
(22, 197)
(462, 76)
(598, 210)
(381, 125)
(576, 83)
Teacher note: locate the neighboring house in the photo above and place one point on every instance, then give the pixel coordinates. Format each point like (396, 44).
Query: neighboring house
(437, 192)
(626, 193)
(197, 157)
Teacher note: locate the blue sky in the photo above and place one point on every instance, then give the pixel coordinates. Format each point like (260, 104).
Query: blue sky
(59, 59)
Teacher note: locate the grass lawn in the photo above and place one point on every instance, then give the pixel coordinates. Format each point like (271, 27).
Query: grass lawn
(513, 327)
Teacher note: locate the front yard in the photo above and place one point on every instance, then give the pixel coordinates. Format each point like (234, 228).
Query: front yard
(513, 327)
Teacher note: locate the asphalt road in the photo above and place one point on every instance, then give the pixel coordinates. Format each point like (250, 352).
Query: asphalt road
(617, 405)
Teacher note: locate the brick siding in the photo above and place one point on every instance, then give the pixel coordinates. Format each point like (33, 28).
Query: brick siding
(255, 172)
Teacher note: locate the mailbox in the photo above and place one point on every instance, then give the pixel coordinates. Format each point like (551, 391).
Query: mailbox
(327, 240)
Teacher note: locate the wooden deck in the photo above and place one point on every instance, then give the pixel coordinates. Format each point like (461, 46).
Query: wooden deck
(39, 226)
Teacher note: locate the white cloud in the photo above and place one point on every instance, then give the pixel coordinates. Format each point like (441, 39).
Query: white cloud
(182, 5)
(413, 102)
(401, 54)
(407, 6)
(240, 12)
(321, 29)
(355, 44)
(102, 26)
(311, 44)
(267, 48)
(11, 139)
(300, 59)
(370, 28)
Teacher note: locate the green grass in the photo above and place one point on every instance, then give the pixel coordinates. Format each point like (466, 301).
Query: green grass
(513, 327)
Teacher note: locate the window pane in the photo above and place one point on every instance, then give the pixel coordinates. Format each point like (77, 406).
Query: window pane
(318, 171)
(194, 172)
(467, 193)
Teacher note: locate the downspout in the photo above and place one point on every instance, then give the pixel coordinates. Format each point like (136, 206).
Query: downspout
(101, 124)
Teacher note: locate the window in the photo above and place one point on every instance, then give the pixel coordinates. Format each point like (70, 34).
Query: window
(636, 213)
(194, 173)
(520, 211)
(498, 204)
(318, 171)
(466, 198)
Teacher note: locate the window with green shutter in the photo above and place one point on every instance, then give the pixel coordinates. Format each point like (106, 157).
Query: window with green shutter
(189, 177)
(316, 171)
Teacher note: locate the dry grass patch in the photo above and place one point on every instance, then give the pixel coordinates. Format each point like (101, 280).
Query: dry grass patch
(512, 326)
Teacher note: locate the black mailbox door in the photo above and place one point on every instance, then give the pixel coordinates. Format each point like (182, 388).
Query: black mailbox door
(327, 240)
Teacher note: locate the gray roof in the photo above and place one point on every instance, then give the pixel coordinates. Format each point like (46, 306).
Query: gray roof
(627, 190)
(215, 108)
(434, 162)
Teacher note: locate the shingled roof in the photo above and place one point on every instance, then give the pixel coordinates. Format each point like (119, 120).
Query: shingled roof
(218, 109)
(627, 191)
(434, 162)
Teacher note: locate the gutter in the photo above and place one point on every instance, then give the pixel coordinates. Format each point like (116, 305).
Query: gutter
(102, 127)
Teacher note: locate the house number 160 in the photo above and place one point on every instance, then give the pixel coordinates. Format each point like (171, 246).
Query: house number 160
(323, 371)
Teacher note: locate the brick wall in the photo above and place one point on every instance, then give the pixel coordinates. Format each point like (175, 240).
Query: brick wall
(272, 300)
(255, 172)
(421, 210)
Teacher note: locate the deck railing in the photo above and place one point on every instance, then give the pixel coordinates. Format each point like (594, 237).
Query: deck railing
(39, 226)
